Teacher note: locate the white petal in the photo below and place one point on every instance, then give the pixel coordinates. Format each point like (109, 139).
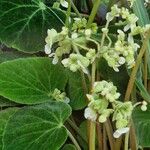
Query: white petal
(121, 131)
(85, 70)
(55, 60)
(65, 62)
(126, 28)
(64, 3)
(116, 69)
(47, 49)
(116, 134)
(90, 114)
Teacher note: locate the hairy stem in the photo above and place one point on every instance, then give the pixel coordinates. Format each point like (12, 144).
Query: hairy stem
(135, 69)
(104, 138)
(73, 140)
(118, 143)
(92, 125)
(145, 69)
(99, 136)
(126, 143)
(110, 134)
(93, 13)
(133, 144)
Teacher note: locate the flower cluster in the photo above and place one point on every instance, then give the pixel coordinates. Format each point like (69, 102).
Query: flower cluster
(105, 95)
(75, 42)
(59, 96)
(124, 48)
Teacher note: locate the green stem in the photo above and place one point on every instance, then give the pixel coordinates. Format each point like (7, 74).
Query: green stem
(75, 10)
(145, 69)
(99, 136)
(92, 125)
(93, 13)
(73, 140)
(104, 138)
(135, 69)
(133, 140)
(126, 141)
(76, 129)
(68, 13)
(118, 143)
(104, 35)
(110, 134)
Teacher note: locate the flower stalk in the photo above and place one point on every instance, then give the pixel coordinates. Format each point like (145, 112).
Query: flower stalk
(137, 64)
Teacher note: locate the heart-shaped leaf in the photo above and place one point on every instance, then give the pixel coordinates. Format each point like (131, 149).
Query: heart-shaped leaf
(4, 117)
(37, 127)
(30, 80)
(24, 23)
(142, 126)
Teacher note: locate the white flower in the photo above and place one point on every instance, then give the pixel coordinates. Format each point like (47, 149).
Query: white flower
(64, 3)
(90, 114)
(50, 39)
(121, 131)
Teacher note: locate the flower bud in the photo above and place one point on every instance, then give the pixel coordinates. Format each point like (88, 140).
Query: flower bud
(102, 119)
(143, 107)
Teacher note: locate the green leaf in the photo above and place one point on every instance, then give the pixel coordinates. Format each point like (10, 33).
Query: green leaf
(30, 80)
(69, 147)
(24, 23)
(37, 127)
(76, 91)
(4, 117)
(142, 125)
(141, 12)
